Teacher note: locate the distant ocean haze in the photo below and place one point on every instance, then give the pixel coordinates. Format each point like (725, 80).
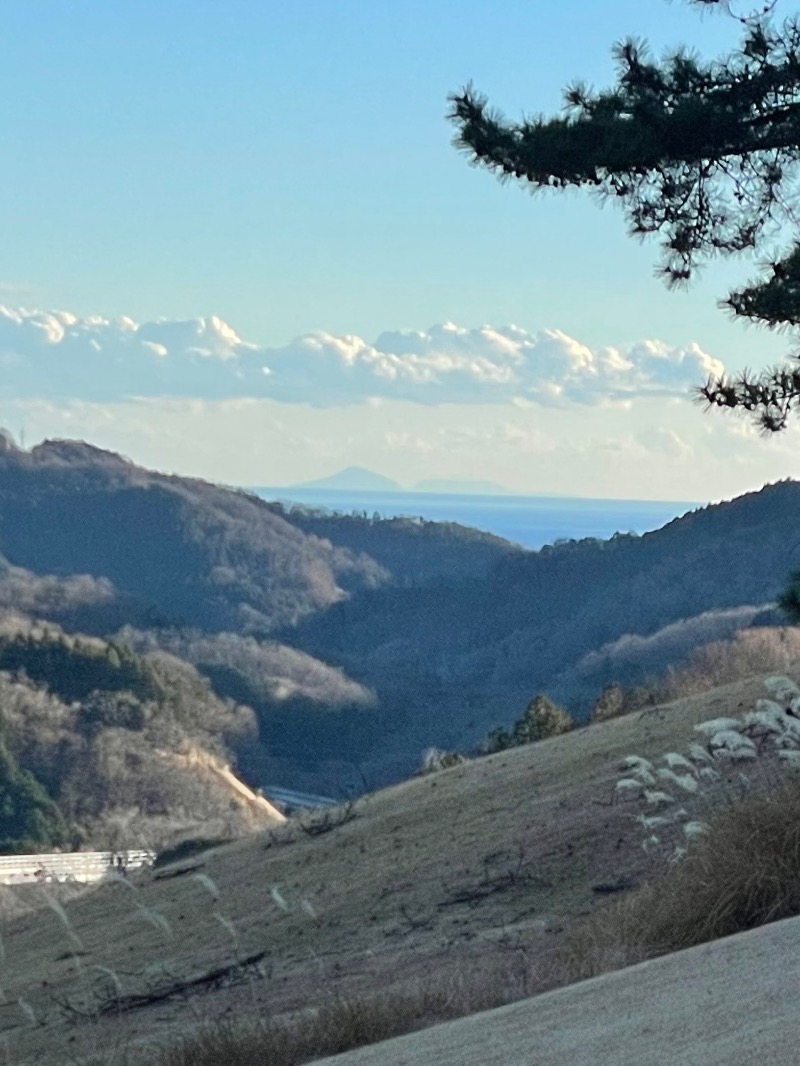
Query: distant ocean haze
(531, 521)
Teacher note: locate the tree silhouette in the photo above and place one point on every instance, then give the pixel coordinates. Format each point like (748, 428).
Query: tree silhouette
(543, 718)
(789, 599)
(701, 154)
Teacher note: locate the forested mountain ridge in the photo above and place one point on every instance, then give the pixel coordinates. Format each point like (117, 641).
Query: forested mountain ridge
(100, 745)
(97, 544)
(480, 648)
(358, 641)
(413, 550)
(199, 554)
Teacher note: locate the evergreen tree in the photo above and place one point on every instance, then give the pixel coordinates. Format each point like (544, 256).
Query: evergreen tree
(702, 154)
(609, 704)
(29, 820)
(789, 599)
(543, 718)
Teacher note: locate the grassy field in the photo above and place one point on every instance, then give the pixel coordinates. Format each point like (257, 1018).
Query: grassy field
(447, 893)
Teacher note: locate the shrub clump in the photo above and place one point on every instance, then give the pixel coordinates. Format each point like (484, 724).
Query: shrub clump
(611, 703)
(337, 1026)
(434, 759)
(742, 873)
(543, 718)
(187, 849)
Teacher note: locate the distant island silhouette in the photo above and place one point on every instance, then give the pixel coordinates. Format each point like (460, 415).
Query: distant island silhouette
(353, 479)
(360, 479)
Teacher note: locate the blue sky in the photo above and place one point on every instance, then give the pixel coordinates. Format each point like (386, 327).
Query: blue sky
(287, 167)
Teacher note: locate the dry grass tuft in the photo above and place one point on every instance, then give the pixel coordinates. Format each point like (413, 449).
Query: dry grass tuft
(743, 873)
(749, 653)
(340, 1025)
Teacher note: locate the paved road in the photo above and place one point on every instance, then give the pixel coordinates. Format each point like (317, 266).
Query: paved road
(291, 798)
(735, 1002)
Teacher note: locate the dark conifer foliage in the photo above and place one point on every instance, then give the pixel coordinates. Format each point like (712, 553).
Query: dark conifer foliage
(701, 154)
(28, 817)
(101, 744)
(789, 599)
(741, 12)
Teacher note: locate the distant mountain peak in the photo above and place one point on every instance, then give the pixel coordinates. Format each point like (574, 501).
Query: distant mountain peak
(353, 479)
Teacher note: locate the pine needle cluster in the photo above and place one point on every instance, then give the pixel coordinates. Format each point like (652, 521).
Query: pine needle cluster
(701, 154)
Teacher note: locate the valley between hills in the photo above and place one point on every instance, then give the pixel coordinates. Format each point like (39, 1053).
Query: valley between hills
(168, 647)
(347, 645)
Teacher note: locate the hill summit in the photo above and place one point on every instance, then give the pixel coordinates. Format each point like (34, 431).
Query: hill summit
(199, 554)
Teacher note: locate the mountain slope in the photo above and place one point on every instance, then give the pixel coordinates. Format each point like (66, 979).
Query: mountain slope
(483, 870)
(413, 550)
(97, 544)
(481, 647)
(437, 632)
(199, 554)
(99, 745)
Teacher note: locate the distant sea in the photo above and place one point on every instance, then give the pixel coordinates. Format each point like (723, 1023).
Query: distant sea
(528, 520)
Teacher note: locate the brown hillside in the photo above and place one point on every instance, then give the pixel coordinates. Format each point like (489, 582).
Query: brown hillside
(481, 868)
(196, 553)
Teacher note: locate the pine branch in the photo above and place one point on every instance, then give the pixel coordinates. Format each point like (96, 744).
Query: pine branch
(704, 156)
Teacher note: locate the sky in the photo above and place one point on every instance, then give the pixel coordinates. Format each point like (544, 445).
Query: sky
(238, 244)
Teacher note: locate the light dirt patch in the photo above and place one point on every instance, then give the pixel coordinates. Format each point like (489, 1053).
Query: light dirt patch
(202, 762)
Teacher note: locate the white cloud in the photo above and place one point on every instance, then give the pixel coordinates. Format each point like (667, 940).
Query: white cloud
(667, 442)
(61, 355)
(449, 364)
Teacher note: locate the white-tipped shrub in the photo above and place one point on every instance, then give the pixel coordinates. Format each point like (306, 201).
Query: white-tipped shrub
(434, 760)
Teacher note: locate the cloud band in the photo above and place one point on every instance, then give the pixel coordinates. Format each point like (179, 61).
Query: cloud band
(61, 355)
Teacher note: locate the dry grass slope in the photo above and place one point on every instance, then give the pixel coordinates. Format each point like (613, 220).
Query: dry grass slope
(743, 873)
(475, 880)
(337, 1026)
